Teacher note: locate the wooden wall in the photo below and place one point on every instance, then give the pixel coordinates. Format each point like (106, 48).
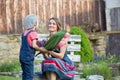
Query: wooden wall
(70, 12)
(113, 37)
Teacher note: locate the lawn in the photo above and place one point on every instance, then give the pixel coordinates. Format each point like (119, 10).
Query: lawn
(9, 78)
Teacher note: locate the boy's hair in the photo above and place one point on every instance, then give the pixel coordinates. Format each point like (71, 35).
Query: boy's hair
(30, 21)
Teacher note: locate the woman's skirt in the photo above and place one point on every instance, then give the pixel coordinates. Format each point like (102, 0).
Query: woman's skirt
(63, 70)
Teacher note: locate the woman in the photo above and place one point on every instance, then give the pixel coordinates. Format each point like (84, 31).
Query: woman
(58, 65)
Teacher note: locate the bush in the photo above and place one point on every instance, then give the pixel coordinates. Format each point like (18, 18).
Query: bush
(97, 69)
(9, 78)
(86, 49)
(10, 67)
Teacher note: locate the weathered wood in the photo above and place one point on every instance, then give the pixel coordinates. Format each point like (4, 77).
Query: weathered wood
(75, 38)
(42, 36)
(70, 12)
(113, 32)
(115, 18)
(73, 47)
(15, 14)
(74, 58)
(8, 17)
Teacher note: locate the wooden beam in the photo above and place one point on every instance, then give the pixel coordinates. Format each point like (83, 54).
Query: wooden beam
(113, 32)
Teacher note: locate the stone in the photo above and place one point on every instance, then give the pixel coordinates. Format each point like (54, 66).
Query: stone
(95, 77)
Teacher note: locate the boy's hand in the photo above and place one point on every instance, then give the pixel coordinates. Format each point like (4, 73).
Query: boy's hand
(43, 50)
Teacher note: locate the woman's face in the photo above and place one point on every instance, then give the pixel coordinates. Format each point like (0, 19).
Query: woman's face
(52, 26)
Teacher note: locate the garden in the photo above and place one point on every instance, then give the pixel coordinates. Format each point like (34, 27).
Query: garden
(107, 66)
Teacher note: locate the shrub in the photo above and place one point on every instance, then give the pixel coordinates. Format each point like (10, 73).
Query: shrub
(9, 78)
(10, 67)
(86, 49)
(97, 69)
(108, 59)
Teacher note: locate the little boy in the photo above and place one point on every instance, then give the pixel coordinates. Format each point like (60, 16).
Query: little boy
(29, 46)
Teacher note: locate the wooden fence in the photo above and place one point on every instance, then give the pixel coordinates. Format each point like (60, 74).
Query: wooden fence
(70, 12)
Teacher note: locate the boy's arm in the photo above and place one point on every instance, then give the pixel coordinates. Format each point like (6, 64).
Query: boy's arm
(34, 45)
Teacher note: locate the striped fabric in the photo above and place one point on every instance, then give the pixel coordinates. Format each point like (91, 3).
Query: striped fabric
(64, 70)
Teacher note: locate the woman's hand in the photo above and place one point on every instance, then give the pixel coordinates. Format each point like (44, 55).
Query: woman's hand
(46, 55)
(61, 53)
(50, 52)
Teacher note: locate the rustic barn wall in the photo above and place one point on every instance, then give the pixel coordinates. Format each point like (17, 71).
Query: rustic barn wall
(115, 18)
(70, 12)
(114, 35)
(113, 27)
(113, 44)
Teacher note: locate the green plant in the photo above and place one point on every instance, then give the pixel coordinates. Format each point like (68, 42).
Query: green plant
(113, 59)
(9, 78)
(97, 69)
(10, 66)
(107, 59)
(86, 49)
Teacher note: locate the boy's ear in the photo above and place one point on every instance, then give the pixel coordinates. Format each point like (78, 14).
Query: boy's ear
(35, 24)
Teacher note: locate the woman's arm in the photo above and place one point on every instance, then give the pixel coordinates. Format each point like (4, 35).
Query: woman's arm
(62, 51)
(46, 55)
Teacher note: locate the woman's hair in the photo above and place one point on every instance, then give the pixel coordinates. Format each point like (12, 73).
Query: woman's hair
(57, 23)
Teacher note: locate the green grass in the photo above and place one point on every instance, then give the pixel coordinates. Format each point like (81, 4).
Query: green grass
(9, 78)
(10, 66)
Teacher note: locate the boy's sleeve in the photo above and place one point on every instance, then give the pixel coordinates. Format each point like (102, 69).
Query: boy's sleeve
(33, 36)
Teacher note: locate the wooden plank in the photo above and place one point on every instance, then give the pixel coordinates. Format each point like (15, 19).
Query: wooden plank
(74, 58)
(42, 36)
(77, 11)
(76, 38)
(15, 14)
(1, 24)
(113, 32)
(19, 18)
(8, 15)
(57, 6)
(23, 13)
(74, 47)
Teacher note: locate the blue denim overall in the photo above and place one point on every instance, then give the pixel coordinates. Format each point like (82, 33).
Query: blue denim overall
(27, 58)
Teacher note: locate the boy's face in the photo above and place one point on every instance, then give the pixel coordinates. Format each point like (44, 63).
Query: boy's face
(36, 25)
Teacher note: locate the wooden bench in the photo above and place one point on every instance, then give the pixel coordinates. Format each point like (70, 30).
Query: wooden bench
(72, 47)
